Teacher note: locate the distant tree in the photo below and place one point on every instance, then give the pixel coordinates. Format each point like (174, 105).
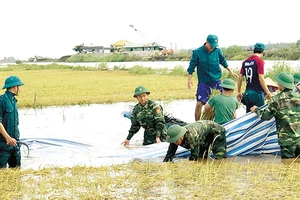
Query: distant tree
(232, 51)
(79, 48)
(298, 43)
(11, 59)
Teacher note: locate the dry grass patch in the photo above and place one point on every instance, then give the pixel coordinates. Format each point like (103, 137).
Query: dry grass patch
(179, 180)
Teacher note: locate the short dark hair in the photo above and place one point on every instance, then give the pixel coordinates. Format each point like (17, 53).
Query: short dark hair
(258, 50)
(227, 89)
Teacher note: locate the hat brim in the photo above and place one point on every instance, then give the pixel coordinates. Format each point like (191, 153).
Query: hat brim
(19, 83)
(270, 82)
(285, 84)
(174, 139)
(214, 44)
(227, 86)
(140, 94)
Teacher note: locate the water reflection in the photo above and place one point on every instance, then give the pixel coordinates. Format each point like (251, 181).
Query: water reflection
(99, 128)
(91, 135)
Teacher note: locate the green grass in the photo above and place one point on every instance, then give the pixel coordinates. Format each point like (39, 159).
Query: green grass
(56, 85)
(61, 85)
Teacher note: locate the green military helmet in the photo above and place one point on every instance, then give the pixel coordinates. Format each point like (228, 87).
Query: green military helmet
(12, 81)
(228, 83)
(140, 90)
(297, 77)
(175, 132)
(286, 80)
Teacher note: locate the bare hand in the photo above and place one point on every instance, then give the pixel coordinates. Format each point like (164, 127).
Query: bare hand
(125, 142)
(268, 96)
(11, 141)
(239, 97)
(190, 84)
(252, 109)
(234, 75)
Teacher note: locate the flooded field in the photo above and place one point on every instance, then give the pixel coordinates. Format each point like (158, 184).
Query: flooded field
(91, 135)
(75, 152)
(86, 135)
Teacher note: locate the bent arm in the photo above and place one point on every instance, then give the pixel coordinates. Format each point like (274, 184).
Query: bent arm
(9, 140)
(264, 85)
(232, 73)
(171, 152)
(240, 81)
(269, 112)
(207, 106)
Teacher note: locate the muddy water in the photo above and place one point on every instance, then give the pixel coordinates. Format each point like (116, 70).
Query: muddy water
(85, 135)
(90, 135)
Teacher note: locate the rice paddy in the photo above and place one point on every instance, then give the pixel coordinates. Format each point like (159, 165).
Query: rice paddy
(179, 180)
(206, 179)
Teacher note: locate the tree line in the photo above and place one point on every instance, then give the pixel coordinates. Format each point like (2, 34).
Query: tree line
(279, 51)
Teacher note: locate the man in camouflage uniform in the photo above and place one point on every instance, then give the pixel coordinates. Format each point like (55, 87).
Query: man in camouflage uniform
(297, 81)
(197, 137)
(149, 115)
(285, 107)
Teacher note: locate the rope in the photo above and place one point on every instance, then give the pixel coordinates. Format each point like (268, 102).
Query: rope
(23, 143)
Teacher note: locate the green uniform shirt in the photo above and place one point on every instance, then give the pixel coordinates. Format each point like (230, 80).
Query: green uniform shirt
(208, 64)
(9, 116)
(151, 118)
(285, 107)
(199, 136)
(225, 107)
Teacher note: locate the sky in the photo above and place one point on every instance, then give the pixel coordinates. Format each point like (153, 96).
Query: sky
(52, 28)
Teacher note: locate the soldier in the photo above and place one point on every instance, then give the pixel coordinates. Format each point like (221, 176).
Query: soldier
(197, 137)
(149, 115)
(9, 121)
(285, 107)
(297, 80)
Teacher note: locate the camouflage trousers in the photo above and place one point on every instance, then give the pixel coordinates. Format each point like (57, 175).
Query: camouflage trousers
(150, 138)
(290, 151)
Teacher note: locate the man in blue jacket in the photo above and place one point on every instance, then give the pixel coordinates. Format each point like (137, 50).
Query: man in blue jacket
(207, 59)
(9, 121)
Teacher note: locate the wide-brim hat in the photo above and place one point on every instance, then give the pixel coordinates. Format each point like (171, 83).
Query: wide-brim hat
(12, 81)
(175, 132)
(140, 90)
(297, 77)
(270, 82)
(228, 83)
(286, 80)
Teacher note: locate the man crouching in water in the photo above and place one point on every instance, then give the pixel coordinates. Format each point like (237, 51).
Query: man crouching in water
(197, 137)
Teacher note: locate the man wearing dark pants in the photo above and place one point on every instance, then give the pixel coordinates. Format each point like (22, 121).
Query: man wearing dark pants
(9, 121)
(256, 87)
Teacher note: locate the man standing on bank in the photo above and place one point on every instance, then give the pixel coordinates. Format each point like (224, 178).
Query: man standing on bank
(9, 121)
(149, 115)
(285, 108)
(197, 137)
(207, 59)
(256, 87)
